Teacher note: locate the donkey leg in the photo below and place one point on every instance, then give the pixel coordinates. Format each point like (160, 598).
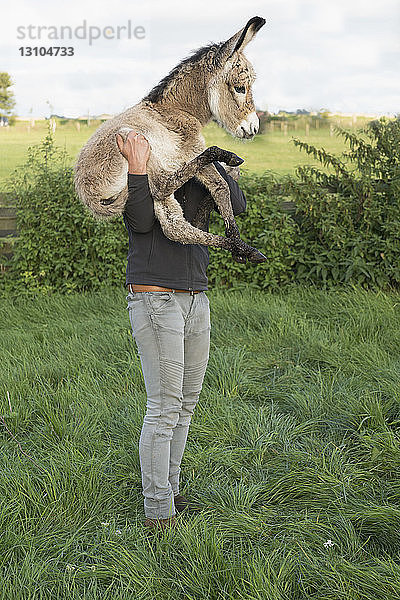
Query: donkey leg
(219, 189)
(176, 228)
(208, 174)
(202, 217)
(119, 197)
(203, 212)
(175, 180)
(174, 225)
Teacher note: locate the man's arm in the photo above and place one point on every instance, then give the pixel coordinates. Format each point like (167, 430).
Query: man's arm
(139, 208)
(238, 199)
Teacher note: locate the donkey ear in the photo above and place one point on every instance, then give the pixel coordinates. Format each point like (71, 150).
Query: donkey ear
(238, 41)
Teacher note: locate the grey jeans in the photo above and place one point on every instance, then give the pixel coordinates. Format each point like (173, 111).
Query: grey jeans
(172, 334)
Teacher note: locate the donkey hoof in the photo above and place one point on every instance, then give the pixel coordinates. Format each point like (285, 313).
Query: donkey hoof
(256, 256)
(239, 258)
(233, 160)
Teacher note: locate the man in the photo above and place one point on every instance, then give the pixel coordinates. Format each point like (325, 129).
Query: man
(170, 318)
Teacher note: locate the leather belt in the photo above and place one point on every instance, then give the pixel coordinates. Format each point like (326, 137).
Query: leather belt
(135, 287)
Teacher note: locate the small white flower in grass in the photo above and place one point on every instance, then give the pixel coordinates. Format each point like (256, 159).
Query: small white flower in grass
(92, 567)
(328, 544)
(118, 531)
(105, 524)
(70, 568)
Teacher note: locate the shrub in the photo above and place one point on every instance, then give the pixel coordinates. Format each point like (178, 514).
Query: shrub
(60, 245)
(345, 228)
(265, 226)
(350, 216)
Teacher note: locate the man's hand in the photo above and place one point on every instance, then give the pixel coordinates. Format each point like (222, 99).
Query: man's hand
(136, 150)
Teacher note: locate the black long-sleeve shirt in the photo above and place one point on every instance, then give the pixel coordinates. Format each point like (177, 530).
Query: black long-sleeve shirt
(153, 259)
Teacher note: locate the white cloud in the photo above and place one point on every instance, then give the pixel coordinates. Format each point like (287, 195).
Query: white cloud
(338, 54)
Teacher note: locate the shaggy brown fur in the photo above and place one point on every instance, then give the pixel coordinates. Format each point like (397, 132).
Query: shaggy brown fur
(214, 83)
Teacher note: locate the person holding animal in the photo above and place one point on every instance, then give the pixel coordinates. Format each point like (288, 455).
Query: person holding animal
(170, 319)
(151, 164)
(212, 84)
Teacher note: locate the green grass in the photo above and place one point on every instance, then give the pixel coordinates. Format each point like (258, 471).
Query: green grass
(270, 151)
(14, 142)
(273, 151)
(294, 442)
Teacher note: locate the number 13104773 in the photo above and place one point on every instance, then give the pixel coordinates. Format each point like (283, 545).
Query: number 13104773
(43, 51)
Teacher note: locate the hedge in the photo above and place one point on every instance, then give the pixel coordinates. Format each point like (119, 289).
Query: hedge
(345, 228)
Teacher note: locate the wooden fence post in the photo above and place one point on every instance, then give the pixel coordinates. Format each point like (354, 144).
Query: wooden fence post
(8, 233)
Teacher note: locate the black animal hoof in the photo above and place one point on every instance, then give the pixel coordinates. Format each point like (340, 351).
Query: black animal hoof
(233, 160)
(256, 256)
(239, 258)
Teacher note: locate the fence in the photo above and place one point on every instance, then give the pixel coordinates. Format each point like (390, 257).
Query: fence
(8, 231)
(284, 123)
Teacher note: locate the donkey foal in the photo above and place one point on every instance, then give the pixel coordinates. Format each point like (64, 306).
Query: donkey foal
(214, 83)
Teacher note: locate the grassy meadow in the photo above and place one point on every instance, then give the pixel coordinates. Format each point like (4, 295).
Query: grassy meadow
(270, 151)
(293, 452)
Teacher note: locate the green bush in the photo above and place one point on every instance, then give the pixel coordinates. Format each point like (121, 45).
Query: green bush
(345, 228)
(60, 245)
(350, 215)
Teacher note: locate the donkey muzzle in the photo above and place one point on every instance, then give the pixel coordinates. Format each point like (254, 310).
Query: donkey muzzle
(248, 127)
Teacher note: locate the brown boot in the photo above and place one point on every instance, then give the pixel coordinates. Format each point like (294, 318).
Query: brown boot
(161, 524)
(184, 505)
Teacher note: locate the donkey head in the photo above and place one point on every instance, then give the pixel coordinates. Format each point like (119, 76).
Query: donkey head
(229, 90)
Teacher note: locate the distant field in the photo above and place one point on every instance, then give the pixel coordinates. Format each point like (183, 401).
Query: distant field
(14, 142)
(271, 151)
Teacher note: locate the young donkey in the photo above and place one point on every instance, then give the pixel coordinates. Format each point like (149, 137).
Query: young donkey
(214, 83)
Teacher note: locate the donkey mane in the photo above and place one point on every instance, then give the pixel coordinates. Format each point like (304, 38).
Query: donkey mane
(158, 92)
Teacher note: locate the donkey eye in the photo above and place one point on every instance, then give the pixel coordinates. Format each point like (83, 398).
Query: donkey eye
(240, 89)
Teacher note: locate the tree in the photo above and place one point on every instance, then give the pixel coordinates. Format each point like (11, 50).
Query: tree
(7, 100)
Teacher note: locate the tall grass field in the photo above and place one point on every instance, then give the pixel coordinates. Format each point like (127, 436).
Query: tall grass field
(270, 151)
(293, 452)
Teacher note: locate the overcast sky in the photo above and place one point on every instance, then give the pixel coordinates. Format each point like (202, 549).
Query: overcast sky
(343, 55)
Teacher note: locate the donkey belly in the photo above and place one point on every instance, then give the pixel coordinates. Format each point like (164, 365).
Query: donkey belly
(167, 154)
(101, 170)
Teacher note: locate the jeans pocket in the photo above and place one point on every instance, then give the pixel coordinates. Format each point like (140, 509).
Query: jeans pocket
(133, 299)
(159, 300)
